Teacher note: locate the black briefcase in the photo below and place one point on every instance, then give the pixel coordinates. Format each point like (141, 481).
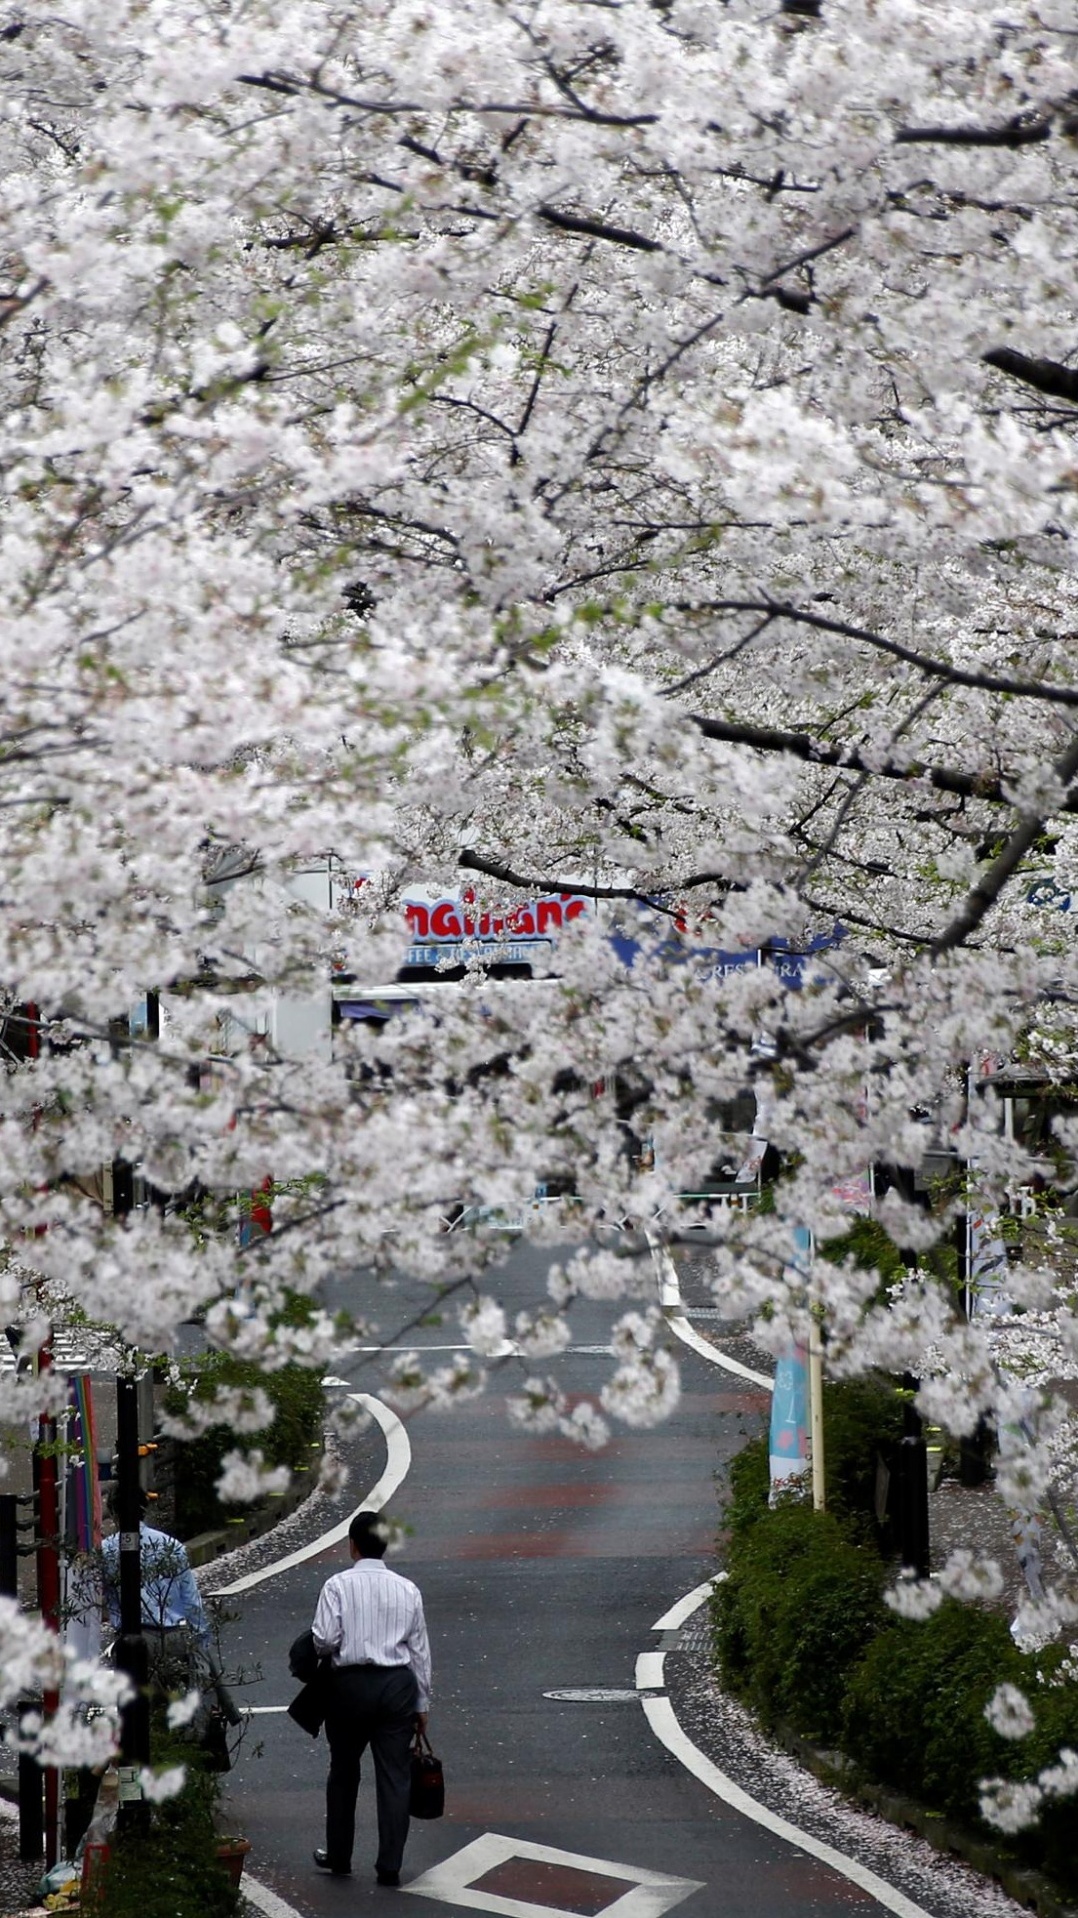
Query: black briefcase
(428, 1781)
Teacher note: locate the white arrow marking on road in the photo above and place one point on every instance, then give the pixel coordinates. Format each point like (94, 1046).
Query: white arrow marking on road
(398, 1462)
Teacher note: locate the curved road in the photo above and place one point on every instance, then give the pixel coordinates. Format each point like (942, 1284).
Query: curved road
(544, 1570)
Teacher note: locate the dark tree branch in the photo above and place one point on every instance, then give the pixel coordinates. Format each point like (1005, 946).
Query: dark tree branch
(1048, 376)
(1023, 131)
(530, 882)
(933, 668)
(817, 752)
(598, 230)
(287, 84)
(984, 895)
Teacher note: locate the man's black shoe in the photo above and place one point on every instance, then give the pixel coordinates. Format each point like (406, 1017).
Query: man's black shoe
(388, 1877)
(321, 1859)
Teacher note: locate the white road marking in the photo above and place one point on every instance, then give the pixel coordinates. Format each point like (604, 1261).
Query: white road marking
(670, 1298)
(505, 1349)
(649, 1672)
(672, 1620)
(660, 1716)
(259, 1711)
(265, 1900)
(398, 1462)
(660, 1712)
(651, 1894)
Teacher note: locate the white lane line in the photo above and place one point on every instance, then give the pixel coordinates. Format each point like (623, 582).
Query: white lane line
(660, 1716)
(398, 1462)
(670, 1298)
(265, 1900)
(672, 1620)
(650, 1676)
(505, 1349)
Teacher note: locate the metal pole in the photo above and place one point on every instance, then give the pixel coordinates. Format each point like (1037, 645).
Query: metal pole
(9, 1545)
(815, 1372)
(48, 1594)
(911, 1460)
(131, 1652)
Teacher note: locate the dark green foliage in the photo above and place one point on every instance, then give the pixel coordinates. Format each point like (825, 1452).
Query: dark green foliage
(915, 1705)
(296, 1393)
(797, 1611)
(801, 1633)
(862, 1418)
(172, 1871)
(915, 1719)
(748, 1473)
(871, 1250)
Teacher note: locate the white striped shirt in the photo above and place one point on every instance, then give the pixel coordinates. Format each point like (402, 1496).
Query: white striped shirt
(369, 1615)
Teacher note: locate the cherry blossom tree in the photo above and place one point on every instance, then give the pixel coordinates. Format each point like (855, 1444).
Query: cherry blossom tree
(619, 447)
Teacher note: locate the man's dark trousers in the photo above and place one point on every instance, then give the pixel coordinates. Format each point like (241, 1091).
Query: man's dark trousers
(371, 1705)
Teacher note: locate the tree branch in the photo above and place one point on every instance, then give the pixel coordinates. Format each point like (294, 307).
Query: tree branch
(598, 230)
(934, 668)
(494, 869)
(817, 752)
(1048, 376)
(1023, 131)
(983, 896)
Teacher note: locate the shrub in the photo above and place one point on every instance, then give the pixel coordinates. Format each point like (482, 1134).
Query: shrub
(297, 1397)
(796, 1612)
(172, 1870)
(915, 1704)
(914, 1718)
(862, 1418)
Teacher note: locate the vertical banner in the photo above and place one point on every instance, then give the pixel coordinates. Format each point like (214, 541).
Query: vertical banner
(82, 1597)
(788, 1450)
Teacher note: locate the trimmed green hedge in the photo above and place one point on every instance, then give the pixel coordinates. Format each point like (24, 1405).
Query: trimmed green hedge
(797, 1610)
(914, 1718)
(803, 1636)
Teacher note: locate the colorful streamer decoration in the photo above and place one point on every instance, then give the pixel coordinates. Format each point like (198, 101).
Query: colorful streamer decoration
(84, 1491)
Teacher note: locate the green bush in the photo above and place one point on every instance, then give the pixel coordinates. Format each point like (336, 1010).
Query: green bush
(172, 1870)
(797, 1610)
(915, 1705)
(297, 1397)
(862, 1418)
(914, 1718)
(803, 1636)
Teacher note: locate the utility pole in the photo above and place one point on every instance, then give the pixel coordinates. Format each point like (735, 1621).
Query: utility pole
(816, 1445)
(911, 1500)
(48, 1592)
(131, 1654)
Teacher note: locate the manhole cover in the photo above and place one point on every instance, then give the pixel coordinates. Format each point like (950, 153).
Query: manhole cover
(593, 1695)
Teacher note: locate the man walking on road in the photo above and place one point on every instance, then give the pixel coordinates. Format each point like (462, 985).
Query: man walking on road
(370, 1622)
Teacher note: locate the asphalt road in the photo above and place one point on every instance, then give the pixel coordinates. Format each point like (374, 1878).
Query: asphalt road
(544, 1569)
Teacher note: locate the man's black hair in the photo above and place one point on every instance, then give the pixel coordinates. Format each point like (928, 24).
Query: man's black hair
(368, 1534)
(112, 1500)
